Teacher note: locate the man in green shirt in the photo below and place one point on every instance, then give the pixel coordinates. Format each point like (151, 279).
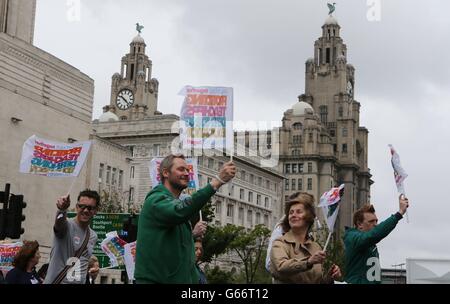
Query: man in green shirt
(362, 263)
(165, 245)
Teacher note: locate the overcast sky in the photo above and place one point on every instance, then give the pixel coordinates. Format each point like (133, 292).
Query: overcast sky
(259, 48)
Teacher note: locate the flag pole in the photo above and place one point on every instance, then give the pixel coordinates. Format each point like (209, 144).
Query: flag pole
(328, 241)
(71, 186)
(406, 213)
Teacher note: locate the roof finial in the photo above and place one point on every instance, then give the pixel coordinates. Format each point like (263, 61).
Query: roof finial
(331, 7)
(139, 28)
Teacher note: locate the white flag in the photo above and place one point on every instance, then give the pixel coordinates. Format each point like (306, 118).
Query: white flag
(53, 159)
(399, 173)
(329, 202)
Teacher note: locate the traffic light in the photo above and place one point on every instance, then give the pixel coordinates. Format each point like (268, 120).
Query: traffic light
(4, 198)
(15, 216)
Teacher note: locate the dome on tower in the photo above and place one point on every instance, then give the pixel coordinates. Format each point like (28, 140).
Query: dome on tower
(138, 39)
(331, 21)
(108, 117)
(116, 75)
(302, 108)
(310, 60)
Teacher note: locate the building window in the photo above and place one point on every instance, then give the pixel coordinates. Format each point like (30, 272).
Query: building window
(266, 220)
(113, 178)
(156, 150)
(344, 148)
(341, 111)
(309, 167)
(258, 199)
(250, 197)
(286, 185)
(296, 139)
(230, 210)
(108, 174)
(218, 207)
(241, 216)
(288, 169)
(293, 184)
(131, 195)
(320, 56)
(332, 133)
(251, 178)
(300, 168)
(323, 114)
(241, 194)
(294, 168)
(120, 179)
(297, 126)
(295, 152)
(210, 163)
(250, 217)
(100, 172)
(260, 181)
(267, 184)
(243, 175)
(231, 191)
(258, 218)
(310, 137)
(309, 183)
(300, 184)
(286, 198)
(328, 54)
(200, 180)
(132, 172)
(220, 165)
(266, 202)
(344, 132)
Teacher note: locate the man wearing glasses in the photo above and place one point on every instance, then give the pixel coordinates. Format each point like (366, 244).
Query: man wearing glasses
(74, 240)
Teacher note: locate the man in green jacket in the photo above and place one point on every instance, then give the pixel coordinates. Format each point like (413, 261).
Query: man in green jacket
(362, 263)
(165, 245)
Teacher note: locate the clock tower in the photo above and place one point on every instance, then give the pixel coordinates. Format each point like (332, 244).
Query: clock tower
(134, 94)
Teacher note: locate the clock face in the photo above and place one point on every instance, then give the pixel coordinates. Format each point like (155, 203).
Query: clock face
(125, 99)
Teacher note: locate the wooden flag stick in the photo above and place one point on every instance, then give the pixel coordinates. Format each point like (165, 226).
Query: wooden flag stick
(328, 241)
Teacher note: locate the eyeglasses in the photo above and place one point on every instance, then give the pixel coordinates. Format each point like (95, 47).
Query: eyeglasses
(89, 208)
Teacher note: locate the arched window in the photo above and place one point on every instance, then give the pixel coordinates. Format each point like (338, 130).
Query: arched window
(297, 126)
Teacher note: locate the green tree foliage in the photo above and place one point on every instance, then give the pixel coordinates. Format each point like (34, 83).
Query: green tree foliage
(218, 276)
(335, 250)
(217, 240)
(250, 246)
(110, 202)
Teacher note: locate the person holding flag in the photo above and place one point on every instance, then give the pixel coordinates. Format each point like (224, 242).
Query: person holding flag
(165, 245)
(295, 257)
(362, 263)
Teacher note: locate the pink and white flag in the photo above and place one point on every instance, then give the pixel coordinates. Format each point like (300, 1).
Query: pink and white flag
(399, 173)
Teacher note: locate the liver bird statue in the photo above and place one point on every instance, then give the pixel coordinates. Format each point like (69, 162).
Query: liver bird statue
(139, 28)
(331, 7)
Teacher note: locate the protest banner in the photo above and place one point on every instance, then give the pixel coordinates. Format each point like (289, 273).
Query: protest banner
(206, 118)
